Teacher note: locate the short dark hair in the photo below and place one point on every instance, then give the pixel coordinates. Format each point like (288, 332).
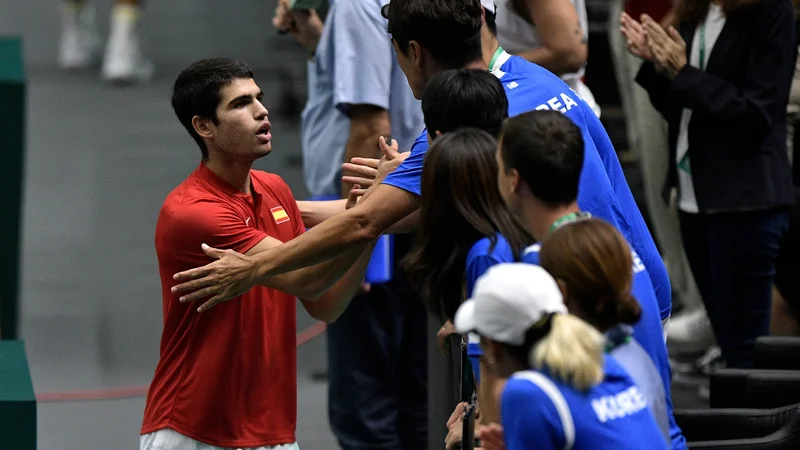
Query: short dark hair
(461, 98)
(449, 29)
(491, 21)
(197, 91)
(547, 150)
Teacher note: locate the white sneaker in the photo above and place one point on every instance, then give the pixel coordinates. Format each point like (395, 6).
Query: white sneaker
(123, 60)
(80, 43)
(690, 332)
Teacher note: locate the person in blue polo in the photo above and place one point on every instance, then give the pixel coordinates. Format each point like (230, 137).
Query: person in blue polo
(562, 391)
(430, 37)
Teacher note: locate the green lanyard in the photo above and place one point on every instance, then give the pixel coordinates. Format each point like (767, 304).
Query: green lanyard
(571, 217)
(495, 57)
(684, 164)
(702, 46)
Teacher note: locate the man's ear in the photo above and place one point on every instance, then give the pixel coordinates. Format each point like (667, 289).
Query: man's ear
(438, 133)
(415, 54)
(203, 127)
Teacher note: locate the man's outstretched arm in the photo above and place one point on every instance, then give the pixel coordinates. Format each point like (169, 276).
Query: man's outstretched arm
(235, 273)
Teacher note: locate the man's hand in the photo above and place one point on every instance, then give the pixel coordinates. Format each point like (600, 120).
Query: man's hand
(304, 26)
(365, 170)
(491, 437)
(228, 277)
(354, 196)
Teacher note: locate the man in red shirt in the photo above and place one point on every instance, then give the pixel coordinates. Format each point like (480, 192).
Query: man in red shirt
(227, 377)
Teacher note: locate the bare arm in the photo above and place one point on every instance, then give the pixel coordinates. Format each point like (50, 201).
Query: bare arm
(367, 124)
(332, 303)
(314, 212)
(408, 224)
(563, 43)
(353, 228)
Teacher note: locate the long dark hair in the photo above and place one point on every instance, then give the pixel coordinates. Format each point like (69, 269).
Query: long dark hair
(461, 204)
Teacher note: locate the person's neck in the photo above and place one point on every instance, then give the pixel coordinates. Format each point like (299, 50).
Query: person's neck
(539, 217)
(233, 171)
(489, 44)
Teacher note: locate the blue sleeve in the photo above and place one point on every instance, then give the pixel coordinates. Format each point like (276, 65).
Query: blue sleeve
(409, 175)
(476, 266)
(529, 418)
(363, 56)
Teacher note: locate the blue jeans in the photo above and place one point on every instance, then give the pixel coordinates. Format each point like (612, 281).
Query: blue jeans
(377, 367)
(732, 257)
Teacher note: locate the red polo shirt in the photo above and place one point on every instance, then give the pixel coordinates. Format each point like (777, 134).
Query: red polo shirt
(226, 377)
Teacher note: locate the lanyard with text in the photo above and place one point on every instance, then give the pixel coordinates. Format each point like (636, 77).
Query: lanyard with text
(571, 217)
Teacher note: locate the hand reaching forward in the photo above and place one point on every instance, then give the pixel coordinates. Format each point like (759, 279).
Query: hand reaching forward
(228, 277)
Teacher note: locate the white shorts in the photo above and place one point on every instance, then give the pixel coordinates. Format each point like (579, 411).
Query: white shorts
(167, 439)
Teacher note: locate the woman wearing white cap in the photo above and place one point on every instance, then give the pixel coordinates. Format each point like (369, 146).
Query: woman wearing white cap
(562, 391)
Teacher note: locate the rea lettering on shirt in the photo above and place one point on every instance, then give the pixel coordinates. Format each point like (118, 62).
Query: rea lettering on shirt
(561, 103)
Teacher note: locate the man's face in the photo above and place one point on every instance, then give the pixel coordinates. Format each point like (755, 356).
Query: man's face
(506, 179)
(410, 67)
(243, 129)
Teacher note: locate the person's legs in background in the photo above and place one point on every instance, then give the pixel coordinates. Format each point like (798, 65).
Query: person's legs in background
(733, 258)
(123, 60)
(647, 135)
(377, 367)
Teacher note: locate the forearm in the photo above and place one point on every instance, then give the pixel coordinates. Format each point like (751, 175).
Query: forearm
(408, 225)
(334, 302)
(558, 62)
(347, 230)
(366, 126)
(315, 212)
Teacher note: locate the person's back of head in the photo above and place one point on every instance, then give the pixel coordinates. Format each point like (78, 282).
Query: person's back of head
(544, 150)
(593, 265)
(449, 30)
(196, 91)
(463, 98)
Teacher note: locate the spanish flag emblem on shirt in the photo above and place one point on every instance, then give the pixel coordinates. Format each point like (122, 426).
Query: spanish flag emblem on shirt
(279, 214)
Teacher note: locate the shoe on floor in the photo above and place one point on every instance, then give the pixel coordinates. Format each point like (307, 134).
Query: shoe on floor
(690, 332)
(123, 61)
(79, 47)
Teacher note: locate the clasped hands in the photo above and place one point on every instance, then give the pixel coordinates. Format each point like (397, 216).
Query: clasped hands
(232, 274)
(368, 173)
(666, 49)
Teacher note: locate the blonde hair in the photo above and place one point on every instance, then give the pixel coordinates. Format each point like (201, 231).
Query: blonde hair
(572, 352)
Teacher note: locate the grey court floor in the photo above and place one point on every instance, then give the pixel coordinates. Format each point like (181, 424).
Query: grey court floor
(100, 161)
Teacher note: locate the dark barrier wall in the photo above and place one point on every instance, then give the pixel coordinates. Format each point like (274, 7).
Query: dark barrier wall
(12, 144)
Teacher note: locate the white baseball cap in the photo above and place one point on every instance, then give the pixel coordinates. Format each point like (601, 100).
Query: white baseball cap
(489, 4)
(507, 300)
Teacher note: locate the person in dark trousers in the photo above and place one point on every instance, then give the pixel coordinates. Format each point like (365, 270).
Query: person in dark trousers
(721, 79)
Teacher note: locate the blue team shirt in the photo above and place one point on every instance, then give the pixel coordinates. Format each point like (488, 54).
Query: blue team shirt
(603, 190)
(648, 332)
(480, 258)
(540, 412)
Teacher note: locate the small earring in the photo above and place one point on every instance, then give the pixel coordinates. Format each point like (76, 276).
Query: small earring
(490, 359)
